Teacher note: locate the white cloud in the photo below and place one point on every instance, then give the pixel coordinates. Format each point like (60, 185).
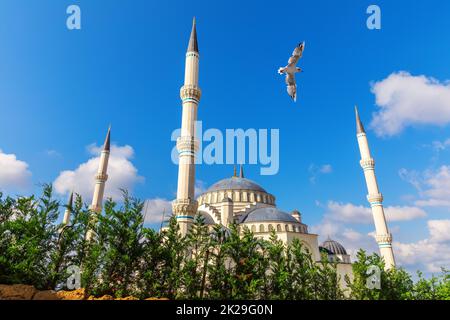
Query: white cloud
(315, 170)
(350, 213)
(433, 186)
(337, 215)
(440, 145)
(439, 230)
(326, 168)
(406, 100)
(438, 184)
(428, 254)
(122, 174)
(14, 173)
(154, 210)
(404, 213)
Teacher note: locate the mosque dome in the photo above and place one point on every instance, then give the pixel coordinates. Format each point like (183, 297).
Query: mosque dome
(236, 183)
(333, 247)
(242, 191)
(268, 214)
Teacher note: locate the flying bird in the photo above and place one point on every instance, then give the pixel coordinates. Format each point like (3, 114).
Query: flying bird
(291, 69)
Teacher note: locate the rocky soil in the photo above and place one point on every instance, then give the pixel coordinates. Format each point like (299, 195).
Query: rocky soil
(26, 292)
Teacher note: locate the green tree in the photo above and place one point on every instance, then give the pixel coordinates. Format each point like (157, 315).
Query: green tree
(118, 247)
(28, 238)
(395, 284)
(278, 285)
(247, 265)
(218, 281)
(174, 254)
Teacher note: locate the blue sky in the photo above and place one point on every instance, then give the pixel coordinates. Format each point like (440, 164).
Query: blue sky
(60, 89)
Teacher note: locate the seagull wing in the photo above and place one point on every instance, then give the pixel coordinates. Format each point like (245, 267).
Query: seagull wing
(291, 86)
(296, 55)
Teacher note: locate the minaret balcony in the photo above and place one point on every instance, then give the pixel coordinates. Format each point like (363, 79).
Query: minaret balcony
(102, 177)
(190, 92)
(367, 164)
(384, 238)
(187, 144)
(187, 207)
(375, 199)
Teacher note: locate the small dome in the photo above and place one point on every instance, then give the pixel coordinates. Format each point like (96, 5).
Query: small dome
(268, 214)
(236, 183)
(334, 247)
(207, 218)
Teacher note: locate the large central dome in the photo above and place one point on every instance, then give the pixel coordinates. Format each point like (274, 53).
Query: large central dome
(236, 183)
(243, 192)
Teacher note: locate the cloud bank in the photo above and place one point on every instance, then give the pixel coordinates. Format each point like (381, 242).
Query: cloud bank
(14, 173)
(122, 174)
(407, 100)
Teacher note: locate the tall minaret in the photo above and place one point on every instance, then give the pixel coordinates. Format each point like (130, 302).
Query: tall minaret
(185, 206)
(100, 179)
(68, 211)
(375, 198)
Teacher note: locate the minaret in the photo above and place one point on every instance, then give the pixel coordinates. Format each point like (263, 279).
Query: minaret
(185, 206)
(68, 211)
(100, 180)
(375, 198)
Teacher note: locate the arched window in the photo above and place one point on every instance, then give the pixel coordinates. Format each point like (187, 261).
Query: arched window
(286, 227)
(279, 227)
(261, 228)
(270, 227)
(253, 228)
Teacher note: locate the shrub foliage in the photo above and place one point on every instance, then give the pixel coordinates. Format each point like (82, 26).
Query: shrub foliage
(126, 258)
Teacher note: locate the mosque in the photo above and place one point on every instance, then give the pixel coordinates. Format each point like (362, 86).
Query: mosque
(242, 201)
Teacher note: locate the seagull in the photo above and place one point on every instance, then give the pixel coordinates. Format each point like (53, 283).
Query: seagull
(291, 69)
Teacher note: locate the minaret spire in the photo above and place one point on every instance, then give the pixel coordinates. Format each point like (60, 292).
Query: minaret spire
(100, 180)
(375, 198)
(107, 144)
(68, 211)
(235, 173)
(185, 206)
(193, 44)
(359, 125)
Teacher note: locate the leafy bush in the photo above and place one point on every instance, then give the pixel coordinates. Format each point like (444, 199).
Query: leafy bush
(126, 258)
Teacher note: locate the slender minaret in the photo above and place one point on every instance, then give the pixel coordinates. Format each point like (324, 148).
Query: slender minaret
(68, 211)
(100, 180)
(185, 206)
(375, 198)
